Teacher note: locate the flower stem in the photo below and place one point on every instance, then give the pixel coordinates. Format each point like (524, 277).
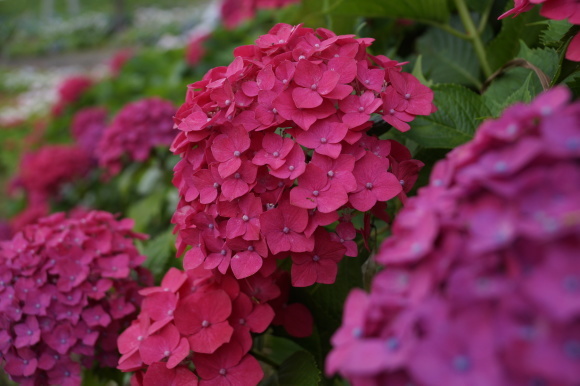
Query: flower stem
(473, 36)
(484, 17)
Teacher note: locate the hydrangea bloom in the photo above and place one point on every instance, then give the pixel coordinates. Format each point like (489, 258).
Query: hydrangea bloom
(118, 60)
(67, 286)
(88, 126)
(35, 209)
(235, 12)
(69, 91)
(482, 272)
(274, 148)
(195, 49)
(42, 173)
(556, 10)
(212, 316)
(135, 131)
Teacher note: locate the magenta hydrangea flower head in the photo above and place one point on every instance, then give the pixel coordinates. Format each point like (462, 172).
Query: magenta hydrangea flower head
(136, 129)
(88, 126)
(35, 209)
(195, 50)
(274, 148)
(67, 286)
(118, 60)
(43, 172)
(482, 275)
(69, 91)
(556, 10)
(235, 12)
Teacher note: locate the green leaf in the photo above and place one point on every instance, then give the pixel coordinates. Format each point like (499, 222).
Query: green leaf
(421, 10)
(521, 84)
(146, 210)
(448, 59)
(459, 113)
(523, 94)
(299, 369)
(158, 251)
(505, 46)
(279, 348)
(566, 67)
(126, 178)
(418, 72)
(546, 59)
(515, 86)
(554, 32)
(150, 179)
(573, 83)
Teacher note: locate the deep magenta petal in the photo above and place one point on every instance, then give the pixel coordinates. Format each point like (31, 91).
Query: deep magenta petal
(303, 275)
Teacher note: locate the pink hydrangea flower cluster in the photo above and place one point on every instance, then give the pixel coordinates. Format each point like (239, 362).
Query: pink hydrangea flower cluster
(195, 50)
(67, 286)
(212, 315)
(69, 91)
(235, 12)
(482, 271)
(34, 210)
(136, 129)
(555, 10)
(43, 173)
(87, 127)
(117, 61)
(274, 146)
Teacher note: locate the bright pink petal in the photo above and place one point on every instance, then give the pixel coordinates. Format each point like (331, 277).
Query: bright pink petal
(573, 52)
(244, 265)
(362, 200)
(179, 353)
(328, 82)
(229, 167)
(260, 318)
(307, 73)
(247, 372)
(305, 98)
(210, 338)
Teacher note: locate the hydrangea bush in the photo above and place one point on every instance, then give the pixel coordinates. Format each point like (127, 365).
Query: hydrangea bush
(295, 162)
(273, 149)
(138, 128)
(294, 108)
(67, 285)
(481, 277)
